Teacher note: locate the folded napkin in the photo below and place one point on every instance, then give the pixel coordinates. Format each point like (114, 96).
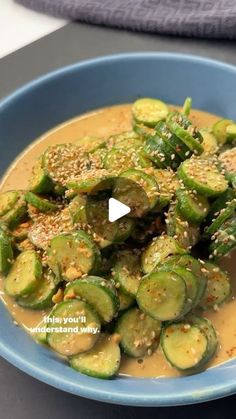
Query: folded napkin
(198, 18)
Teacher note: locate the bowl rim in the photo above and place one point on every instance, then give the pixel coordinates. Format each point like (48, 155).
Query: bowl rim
(94, 391)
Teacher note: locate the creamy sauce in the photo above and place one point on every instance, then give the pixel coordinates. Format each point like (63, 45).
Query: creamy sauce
(104, 123)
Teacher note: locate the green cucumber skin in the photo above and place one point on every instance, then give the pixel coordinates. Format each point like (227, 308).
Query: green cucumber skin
(186, 208)
(17, 214)
(210, 332)
(192, 184)
(31, 302)
(177, 145)
(92, 372)
(98, 283)
(184, 136)
(30, 287)
(6, 253)
(209, 300)
(40, 203)
(11, 198)
(123, 258)
(40, 182)
(220, 219)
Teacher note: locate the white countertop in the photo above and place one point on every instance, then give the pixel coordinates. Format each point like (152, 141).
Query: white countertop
(20, 26)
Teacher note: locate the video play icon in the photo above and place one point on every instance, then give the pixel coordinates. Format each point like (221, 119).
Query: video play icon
(117, 210)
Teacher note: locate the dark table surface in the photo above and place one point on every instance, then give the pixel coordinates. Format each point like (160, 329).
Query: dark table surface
(22, 397)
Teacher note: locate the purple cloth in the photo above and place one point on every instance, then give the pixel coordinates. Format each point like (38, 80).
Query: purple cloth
(198, 18)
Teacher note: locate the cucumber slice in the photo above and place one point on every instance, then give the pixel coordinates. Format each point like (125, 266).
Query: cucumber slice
(209, 144)
(180, 126)
(99, 293)
(62, 162)
(162, 295)
(77, 328)
(89, 143)
(39, 181)
(193, 207)
(90, 181)
(223, 215)
(178, 146)
(77, 209)
(218, 286)
(190, 280)
(186, 234)
(231, 132)
(219, 130)
(48, 225)
(24, 275)
(194, 266)
(139, 333)
(102, 361)
(224, 240)
(16, 214)
(207, 328)
(149, 111)
(221, 202)
(144, 181)
(41, 297)
(187, 106)
(6, 253)
(127, 272)
(126, 301)
(168, 184)
(158, 250)
(7, 201)
(42, 204)
(72, 255)
(185, 346)
(202, 175)
(40, 334)
(161, 153)
(228, 161)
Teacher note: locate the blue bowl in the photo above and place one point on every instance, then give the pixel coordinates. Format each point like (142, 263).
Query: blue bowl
(76, 89)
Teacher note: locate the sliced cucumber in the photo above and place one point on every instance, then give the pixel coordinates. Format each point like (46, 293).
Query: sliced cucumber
(102, 361)
(7, 201)
(203, 176)
(62, 162)
(180, 126)
(41, 297)
(139, 332)
(193, 207)
(218, 286)
(88, 182)
(231, 132)
(161, 153)
(77, 209)
(144, 181)
(209, 143)
(126, 301)
(186, 234)
(149, 111)
(221, 202)
(168, 184)
(76, 330)
(187, 106)
(98, 293)
(162, 295)
(39, 181)
(127, 271)
(143, 130)
(17, 213)
(219, 130)
(223, 215)
(42, 204)
(158, 250)
(6, 253)
(207, 328)
(190, 280)
(25, 275)
(224, 240)
(185, 346)
(72, 255)
(178, 146)
(228, 162)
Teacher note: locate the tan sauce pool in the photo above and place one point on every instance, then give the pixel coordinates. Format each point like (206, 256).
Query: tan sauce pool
(104, 123)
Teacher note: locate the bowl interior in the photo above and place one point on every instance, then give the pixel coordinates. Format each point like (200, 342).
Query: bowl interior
(64, 94)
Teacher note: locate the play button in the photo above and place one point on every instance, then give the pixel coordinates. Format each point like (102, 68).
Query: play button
(117, 210)
(113, 207)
